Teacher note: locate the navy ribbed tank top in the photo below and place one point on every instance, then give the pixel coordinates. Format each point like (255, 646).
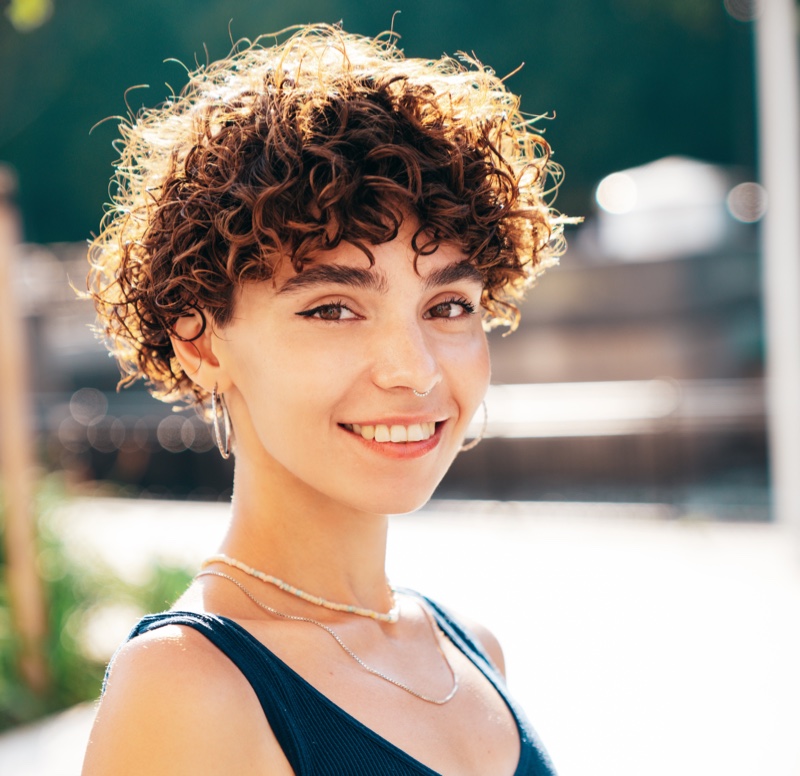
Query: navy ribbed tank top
(317, 736)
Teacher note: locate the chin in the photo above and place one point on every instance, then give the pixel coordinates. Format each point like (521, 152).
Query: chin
(399, 502)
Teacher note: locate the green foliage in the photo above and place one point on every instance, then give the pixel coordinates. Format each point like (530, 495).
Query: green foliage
(78, 590)
(27, 15)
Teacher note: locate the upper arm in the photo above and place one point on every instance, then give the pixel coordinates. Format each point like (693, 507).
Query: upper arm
(175, 705)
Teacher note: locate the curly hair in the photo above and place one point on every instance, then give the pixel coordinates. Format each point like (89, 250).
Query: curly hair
(281, 152)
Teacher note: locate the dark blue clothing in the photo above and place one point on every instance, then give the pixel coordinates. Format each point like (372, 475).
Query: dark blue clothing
(317, 736)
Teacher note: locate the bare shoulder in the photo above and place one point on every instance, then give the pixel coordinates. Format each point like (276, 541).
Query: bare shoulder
(487, 640)
(175, 704)
(490, 643)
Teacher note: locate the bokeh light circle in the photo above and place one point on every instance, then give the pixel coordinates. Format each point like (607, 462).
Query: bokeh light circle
(72, 435)
(744, 10)
(617, 193)
(202, 441)
(87, 405)
(747, 202)
(106, 434)
(170, 433)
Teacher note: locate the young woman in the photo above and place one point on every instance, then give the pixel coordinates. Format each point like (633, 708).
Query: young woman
(307, 243)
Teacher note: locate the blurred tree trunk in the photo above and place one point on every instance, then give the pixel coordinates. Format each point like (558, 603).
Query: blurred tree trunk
(25, 589)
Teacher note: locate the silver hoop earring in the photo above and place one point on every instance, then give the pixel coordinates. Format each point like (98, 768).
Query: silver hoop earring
(475, 442)
(218, 407)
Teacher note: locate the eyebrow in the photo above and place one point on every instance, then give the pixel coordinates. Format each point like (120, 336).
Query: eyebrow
(324, 274)
(453, 273)
(374, 280)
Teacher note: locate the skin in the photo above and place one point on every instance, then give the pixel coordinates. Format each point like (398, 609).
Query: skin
(301, 361)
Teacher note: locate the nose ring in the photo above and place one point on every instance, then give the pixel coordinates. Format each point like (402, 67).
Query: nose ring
(421, 395)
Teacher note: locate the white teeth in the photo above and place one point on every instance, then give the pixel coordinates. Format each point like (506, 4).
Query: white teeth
(416, 432)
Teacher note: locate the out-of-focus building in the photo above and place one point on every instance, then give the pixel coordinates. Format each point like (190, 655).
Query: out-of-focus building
(642, 353)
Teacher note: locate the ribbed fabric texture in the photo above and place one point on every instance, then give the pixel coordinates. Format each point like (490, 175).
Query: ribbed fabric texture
(318, 737)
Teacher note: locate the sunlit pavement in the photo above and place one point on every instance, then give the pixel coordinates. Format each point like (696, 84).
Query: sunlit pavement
(640, 644)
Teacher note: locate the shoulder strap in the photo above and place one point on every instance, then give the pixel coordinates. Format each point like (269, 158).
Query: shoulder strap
(272, 681)
(462, 637)
(316, 735)
(534, 760)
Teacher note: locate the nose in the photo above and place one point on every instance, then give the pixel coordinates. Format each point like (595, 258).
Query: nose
(404, 356)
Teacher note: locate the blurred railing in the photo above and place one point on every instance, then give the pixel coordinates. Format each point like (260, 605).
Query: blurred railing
(622, 407)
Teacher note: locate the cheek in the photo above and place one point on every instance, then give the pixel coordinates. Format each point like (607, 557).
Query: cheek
(468, 365)
(289, 392)
(485, 362)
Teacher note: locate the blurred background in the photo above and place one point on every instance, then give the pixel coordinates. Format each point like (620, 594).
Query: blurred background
(633, 393)
(651, 108)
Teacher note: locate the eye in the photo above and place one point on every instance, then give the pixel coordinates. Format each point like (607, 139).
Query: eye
(451, 308)
(334, 311)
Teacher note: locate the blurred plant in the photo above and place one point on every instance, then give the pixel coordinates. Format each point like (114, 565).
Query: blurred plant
(27, 15)
(90, 609)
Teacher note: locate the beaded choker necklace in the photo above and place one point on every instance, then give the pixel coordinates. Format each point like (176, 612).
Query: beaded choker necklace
(391, 616)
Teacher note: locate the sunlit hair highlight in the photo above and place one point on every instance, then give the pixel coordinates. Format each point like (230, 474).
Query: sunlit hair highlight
(285, 149)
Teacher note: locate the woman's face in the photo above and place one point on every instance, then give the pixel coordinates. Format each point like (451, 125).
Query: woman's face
(320, 370)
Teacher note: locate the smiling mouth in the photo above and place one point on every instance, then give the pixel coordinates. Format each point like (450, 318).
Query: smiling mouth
(416, 432)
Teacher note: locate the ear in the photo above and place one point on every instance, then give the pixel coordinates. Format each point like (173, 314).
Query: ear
(193, 342)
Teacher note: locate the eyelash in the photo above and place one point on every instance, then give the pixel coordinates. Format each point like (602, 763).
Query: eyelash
(465, 304)
(314, 312)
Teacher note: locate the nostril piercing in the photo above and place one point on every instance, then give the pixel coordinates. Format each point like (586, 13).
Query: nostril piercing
(420, 395)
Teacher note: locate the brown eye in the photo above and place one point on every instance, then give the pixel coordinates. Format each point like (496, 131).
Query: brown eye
(444, 310)
(329, 312)
(453, 308)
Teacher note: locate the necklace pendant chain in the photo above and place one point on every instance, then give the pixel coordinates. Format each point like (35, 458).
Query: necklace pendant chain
(392, 616)
(348, 650)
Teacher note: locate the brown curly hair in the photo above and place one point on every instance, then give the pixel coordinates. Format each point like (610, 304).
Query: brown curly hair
(281, 152)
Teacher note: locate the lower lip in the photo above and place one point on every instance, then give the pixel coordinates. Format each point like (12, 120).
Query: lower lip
(401, 450)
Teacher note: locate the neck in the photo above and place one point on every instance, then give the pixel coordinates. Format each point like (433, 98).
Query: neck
(284, 528)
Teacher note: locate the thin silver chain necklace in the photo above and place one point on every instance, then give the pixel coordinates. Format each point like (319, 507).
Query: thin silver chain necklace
(353, 655)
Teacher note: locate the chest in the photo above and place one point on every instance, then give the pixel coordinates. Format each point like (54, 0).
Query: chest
(339, 711)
